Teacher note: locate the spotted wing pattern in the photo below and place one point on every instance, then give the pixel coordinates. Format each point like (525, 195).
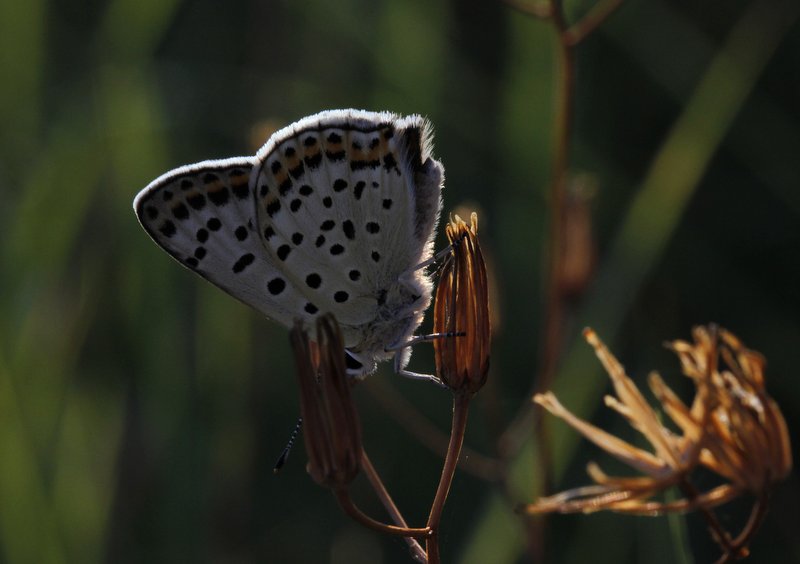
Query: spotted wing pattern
(203, 216)
(333, 214)
(336, 202)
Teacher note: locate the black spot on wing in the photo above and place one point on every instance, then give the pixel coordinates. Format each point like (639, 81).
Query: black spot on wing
(273, 207)
(197, 201)
(285, 186)
(220, 196)
(349, 229)
(180, 211)
(358, 189)
(241, 190)
(276, 286)
(167, 229)
(390, 163)
(243, 262)
(313, 161)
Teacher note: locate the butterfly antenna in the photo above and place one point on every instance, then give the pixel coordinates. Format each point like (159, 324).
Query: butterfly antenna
(288, 448)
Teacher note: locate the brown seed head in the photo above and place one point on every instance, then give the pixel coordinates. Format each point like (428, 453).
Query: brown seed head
(331, 428)
(462, 308)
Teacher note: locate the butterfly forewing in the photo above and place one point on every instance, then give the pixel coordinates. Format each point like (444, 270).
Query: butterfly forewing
(203, 216)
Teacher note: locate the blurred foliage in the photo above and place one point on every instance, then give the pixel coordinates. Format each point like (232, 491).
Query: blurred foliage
(141, 409)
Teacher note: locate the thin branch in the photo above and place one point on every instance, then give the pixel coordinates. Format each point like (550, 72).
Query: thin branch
(459, 426)
(718, 532)
(739, 545)
(346, 503)
(417, 552)
(537, 10)
(593, 19)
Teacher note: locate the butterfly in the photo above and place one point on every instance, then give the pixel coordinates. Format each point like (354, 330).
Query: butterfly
(335, 213)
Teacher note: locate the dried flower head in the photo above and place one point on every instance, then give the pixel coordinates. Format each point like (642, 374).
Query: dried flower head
(462, 308)
(331, 428)
(733, 428)
(673, 455)
(747, 441)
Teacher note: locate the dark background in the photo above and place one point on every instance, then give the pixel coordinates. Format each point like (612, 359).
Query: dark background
(141, 409)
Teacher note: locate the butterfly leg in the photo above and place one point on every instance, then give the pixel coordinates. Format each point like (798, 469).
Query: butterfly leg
(438, 256)
(401, 359)
(416, 339)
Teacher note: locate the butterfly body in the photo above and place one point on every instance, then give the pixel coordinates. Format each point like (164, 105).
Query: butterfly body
(333, 214)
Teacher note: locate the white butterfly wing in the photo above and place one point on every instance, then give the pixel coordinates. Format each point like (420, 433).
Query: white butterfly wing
(332, 215)
(347, 201)
(204, 216)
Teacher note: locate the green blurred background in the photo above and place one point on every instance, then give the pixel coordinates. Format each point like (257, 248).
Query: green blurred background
(141, 409)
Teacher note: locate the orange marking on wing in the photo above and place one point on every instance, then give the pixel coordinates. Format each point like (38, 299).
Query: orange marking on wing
(214, 186)
(280, 176)
(292, 162)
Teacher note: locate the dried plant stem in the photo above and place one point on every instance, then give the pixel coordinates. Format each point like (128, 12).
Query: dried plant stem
(591, 21)
(346, 503)
(553, 320)
(553, 326)
(565, 101)
(458, 428)
(540, 11)
(757, 514)
(731, 550)
(417, 552)
(737, 549)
